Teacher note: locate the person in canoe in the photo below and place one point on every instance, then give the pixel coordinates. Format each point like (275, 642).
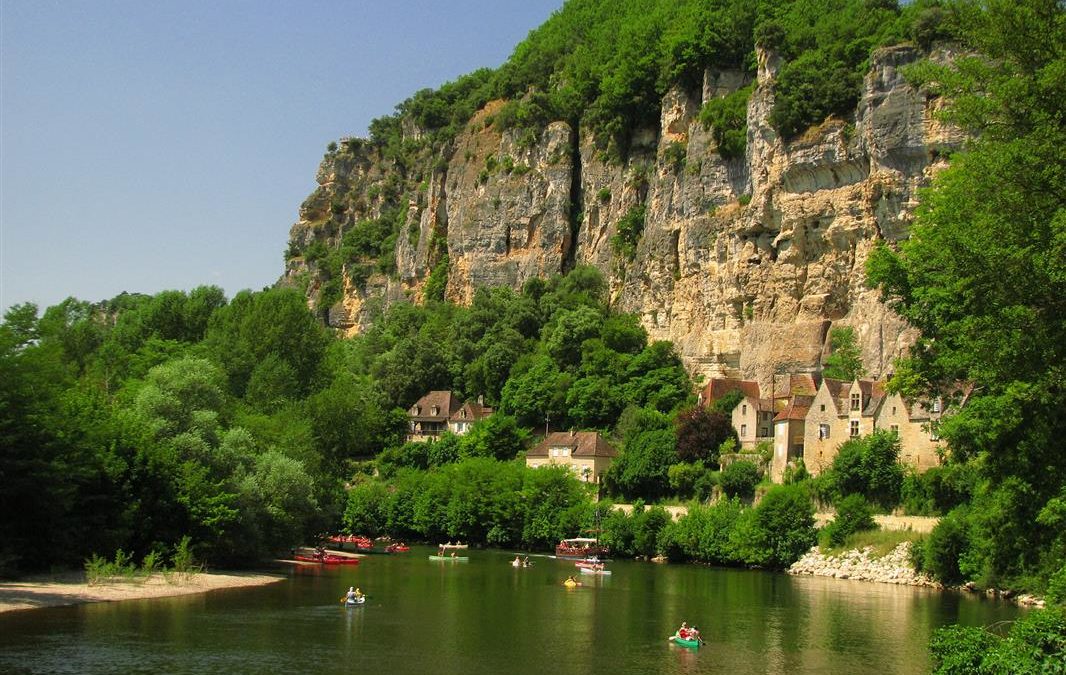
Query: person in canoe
(571, 582)
(353, 595)
(684, 632)
(526, 563)
(517, 562)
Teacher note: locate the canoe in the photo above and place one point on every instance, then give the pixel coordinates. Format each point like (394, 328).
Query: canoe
(356, 602)
(685, 642)
(588, 570)
(571, 584)
(327, 559)
(458, 558)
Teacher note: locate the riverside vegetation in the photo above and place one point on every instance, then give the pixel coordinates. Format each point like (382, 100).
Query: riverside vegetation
(132, 423)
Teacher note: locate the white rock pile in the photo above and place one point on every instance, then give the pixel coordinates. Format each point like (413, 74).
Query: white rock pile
(862, 565)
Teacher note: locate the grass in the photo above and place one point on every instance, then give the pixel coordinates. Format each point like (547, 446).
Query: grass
(882, 541)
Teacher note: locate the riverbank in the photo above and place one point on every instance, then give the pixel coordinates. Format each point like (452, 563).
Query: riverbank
(893, 568)
(863, 565)
(71, 588)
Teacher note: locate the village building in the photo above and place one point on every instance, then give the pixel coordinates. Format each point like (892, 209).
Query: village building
(585, 453)
(440, 411)
(840, 410)
(915, 423)
(789, 428)
(428, 418)
(753, 420)
(467, 414)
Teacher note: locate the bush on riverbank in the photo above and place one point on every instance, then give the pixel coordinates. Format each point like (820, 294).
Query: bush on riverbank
(1036, 643)
(478, 500)
(853, 515)
(773, 534)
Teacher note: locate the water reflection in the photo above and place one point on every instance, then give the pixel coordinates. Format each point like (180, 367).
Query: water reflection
(488, 617)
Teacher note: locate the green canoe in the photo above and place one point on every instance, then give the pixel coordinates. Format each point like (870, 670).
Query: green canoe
(685, 642)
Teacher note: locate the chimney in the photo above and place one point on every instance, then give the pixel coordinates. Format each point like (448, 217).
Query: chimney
(572, 432)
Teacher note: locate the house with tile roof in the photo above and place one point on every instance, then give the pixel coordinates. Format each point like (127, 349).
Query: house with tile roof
(789, 428)
(753, 419)
(586, 453)
(428, 417)
(915, 423)
(467, 415)
(840, 410)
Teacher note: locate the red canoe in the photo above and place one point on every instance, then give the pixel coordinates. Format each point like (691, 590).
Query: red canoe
(327, 559)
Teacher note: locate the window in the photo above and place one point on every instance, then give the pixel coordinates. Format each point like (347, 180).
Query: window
(823, 407)
(743, 430)
(435, 411)
(764, 432)
(894, 428)
(823, 431)
(936, 405)
(856, 401)
(854, 428)
(744, 410)
(893, 410)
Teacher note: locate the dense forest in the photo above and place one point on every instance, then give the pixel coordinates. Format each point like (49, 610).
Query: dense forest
(246, 425)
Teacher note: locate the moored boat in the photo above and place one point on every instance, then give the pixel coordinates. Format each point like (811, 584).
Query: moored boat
(455, 558)
(580, 547)
(325, 557)
(590, 570)
(398, 547)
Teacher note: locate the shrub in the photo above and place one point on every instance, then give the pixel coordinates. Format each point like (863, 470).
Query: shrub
(604, 194)
(727, 117)
(684, 477)
(853, 515)
(779, 530)
(946, 545)
(1036, 643)
(628, 233)
(739, 479)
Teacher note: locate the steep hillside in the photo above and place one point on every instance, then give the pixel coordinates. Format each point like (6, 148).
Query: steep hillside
(729, 192)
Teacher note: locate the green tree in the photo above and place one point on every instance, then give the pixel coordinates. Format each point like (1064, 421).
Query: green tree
(739, 479)
(845, 359)
(982, 274)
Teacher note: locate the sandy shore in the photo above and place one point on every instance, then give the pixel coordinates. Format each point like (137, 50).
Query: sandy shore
(71, 589)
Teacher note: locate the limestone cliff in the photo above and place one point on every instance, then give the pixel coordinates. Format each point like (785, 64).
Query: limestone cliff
(743, 263)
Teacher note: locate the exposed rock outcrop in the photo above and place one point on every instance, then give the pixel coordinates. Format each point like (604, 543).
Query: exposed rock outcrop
(743, 263)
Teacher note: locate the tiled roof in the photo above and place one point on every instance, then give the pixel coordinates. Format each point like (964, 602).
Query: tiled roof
(796, 409)
(581, 444)
(720, 386)
(472, 411)
(443, 401)
(798, 384)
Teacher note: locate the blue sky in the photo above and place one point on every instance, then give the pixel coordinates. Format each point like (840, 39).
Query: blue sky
(155, 145)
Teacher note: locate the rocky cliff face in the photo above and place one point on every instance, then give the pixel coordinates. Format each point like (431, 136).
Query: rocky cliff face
(744, 264)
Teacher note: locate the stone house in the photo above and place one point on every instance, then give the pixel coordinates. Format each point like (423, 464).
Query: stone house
(586, 453)
(470, 412)
(915, 424)
(753, 419)
(840, 410)
(789, 427)
(440, 411)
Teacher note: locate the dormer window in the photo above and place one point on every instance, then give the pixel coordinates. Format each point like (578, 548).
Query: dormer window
(435, 411)
(856, 401)
(462, 413)
(417, 410)
(936, 405)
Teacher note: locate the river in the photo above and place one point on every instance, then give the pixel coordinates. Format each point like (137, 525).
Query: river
(484, 616)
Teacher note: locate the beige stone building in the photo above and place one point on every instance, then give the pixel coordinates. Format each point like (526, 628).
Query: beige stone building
(789, 427)
(753, 419)
(584, 452)
(440, 411)
(840, 410)
(915, 424)
(469, 413)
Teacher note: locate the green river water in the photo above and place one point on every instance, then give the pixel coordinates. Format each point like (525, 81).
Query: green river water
(484, 616)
